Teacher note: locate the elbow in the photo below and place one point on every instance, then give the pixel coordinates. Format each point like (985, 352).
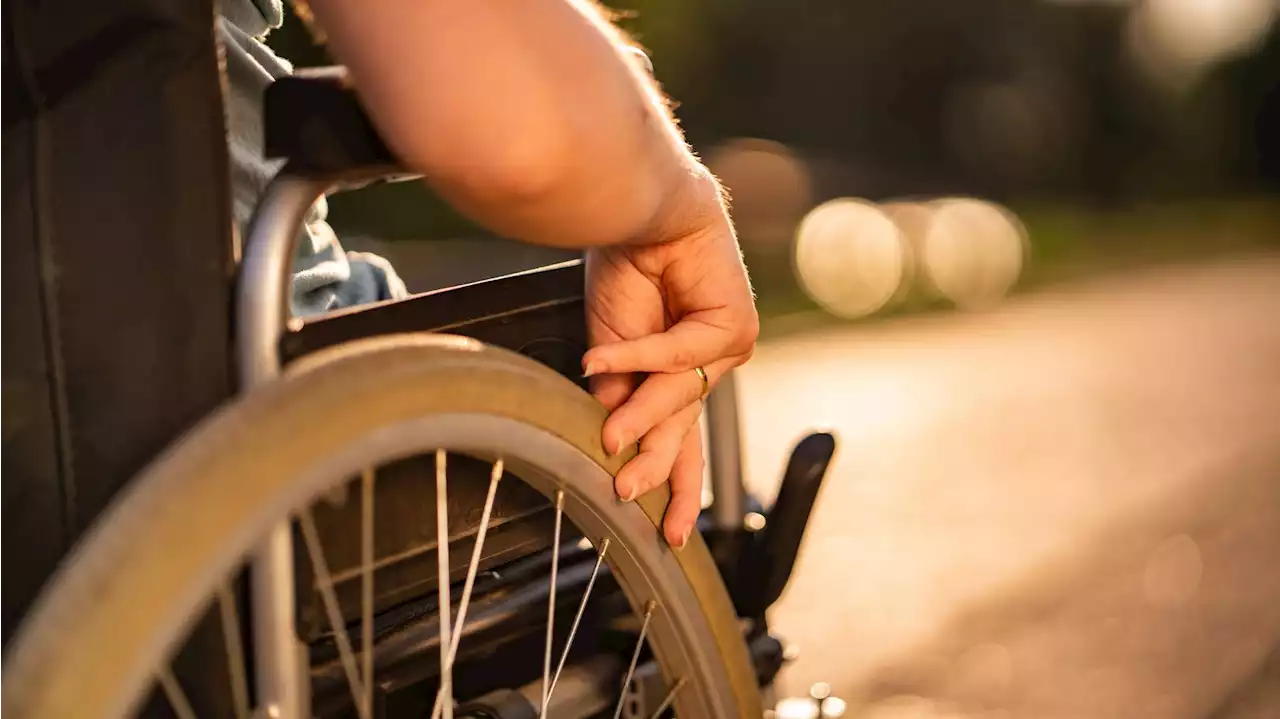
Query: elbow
(546, 188)
(547, 175)
(512, 168)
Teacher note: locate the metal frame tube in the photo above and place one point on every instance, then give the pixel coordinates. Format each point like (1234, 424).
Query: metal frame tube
(262, 312)
(262, 298)
(724, 450)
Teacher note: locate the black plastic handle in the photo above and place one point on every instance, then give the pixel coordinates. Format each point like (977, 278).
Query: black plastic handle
(314, 120)
(765, 567)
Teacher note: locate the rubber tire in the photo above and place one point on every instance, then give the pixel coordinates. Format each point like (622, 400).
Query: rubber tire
(72, 656)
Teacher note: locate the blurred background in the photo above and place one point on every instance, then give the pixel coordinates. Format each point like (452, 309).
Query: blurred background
(1023, 256)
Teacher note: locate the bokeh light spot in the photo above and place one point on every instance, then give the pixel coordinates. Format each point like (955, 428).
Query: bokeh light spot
(849, 257)
(913, 220)
(973, 251)
(769, 187)
(1175, 40)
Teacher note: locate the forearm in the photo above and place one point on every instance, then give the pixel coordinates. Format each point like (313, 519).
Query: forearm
(529, 115)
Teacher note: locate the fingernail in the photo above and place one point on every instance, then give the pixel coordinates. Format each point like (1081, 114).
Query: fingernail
(590, 369)
(621, 445)
(630, 496)
(684, 539)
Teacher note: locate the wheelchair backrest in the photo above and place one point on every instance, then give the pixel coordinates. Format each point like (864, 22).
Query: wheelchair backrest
(118, 259)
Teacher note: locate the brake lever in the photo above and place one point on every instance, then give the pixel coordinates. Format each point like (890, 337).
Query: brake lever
(766, 562)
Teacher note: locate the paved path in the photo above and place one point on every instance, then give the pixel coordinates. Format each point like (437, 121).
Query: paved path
(1067, 507)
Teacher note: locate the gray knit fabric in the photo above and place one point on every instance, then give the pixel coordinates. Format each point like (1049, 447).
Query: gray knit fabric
(325, 277)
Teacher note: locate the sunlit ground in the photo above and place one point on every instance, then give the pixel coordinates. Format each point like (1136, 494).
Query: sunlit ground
(1065, 506)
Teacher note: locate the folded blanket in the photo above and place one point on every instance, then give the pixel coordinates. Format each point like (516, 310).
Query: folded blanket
(325, 277)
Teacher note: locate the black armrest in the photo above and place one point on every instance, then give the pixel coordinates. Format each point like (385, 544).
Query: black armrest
(538, 313)
(315, 122)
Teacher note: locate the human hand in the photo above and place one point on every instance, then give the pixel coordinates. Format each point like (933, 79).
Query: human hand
(663, 309)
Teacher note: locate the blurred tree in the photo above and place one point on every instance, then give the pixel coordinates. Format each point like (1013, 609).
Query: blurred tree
(1248, 88)
(1012, 99)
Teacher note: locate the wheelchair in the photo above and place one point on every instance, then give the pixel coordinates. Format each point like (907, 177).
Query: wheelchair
(403, 511)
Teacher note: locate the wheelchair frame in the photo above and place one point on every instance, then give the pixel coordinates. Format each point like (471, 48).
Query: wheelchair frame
(261, 333)
(262, 303)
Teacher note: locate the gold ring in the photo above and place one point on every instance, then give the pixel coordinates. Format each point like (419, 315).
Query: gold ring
(706, 384)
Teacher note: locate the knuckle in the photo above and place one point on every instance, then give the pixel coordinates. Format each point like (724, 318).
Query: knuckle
(655, 440)
(742, 350)
(681, 357)
(657, 476)
(746, 332)
(691, 391)
(750, 330)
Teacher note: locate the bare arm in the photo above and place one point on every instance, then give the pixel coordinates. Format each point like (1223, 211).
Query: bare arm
(529, 115)
(533, 117)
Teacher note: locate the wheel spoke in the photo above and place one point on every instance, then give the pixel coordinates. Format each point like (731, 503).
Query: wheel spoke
(366, 589)
(671, 697)
(551, 603)
(582, 606)
(324, 582)
(474, 567)
(235, 650)
(173, 692)
(442, 581)
(494, 476)
(635, 658)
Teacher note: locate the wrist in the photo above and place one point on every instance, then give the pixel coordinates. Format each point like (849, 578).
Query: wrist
(693, 205)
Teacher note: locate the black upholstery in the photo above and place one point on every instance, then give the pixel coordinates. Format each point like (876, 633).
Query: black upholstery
(117, 258)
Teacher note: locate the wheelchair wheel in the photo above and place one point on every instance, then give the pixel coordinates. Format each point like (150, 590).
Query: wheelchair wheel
(106, 628)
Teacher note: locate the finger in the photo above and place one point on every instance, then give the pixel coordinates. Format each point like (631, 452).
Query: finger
(686, 345)
(658, 450)
(686, 491)
(611, 390)
(659, 396)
